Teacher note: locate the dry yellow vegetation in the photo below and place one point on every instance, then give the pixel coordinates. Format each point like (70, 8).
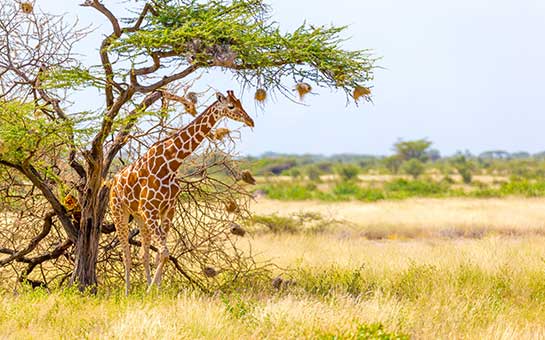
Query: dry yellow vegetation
(425, 268)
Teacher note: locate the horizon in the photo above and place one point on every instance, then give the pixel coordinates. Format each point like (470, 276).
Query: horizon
(270, 153)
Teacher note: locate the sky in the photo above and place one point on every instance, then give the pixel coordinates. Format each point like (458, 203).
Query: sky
(465, 74)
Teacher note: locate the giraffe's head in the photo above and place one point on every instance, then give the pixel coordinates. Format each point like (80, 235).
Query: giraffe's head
(231, 107)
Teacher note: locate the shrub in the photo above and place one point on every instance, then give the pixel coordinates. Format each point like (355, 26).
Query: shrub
(347, 172)
(346, 189)
(464, 168)
(402, 188)
(370, 194)
(313, 173)
(288, 191)
(413, 167)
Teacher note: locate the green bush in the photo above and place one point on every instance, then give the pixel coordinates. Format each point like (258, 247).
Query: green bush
(347, 172)
(288, 191)
(314, 173)
(346, 189)
(404, 188)
(370, 195)
(413, 167)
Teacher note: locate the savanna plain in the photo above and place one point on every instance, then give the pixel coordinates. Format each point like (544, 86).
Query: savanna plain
(458, 267)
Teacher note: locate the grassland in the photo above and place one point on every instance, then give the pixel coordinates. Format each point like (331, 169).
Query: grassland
(419, 268)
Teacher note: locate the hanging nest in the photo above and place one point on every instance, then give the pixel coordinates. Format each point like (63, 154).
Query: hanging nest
(303, 89)
(71, 202)
(192, 97)
(237, 230)
(209, 272)
(360, 92)
(231, 207)
(260, 95)
(38, 113)
(247, 177)
(220, 133)
(190, 108)
(26, 7)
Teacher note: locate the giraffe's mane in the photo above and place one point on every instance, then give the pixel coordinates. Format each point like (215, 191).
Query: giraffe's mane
(180, 129)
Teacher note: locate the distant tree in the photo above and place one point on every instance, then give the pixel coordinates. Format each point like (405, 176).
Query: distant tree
(434, 155)
(520, 154)
(313, 173)
(295, 173)
(416, 149)
(413, 167)
(464, 167)
(495, 154)
(392, 163)
(347, 172)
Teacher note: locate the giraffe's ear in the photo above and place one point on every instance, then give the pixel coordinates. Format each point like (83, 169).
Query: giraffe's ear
(221, 97)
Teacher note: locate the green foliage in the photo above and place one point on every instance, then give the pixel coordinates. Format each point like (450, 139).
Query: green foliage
(417, 149)
(313, 173)
(346, 189)
(288, 191)
(295, 173)
(239, 308)
(24, 136)
(347, 172)
(73, 78)
(205, 33)
(393, 163)
(413, 167)
(402, 188)
(464, 168)
(374, 331)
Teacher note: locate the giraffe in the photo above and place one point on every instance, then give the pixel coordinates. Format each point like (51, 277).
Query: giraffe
(147, 188)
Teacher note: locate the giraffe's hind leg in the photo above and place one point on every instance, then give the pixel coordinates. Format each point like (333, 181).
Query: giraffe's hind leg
(144, 250)
(166, 224)
(121, 222)
(152, 220)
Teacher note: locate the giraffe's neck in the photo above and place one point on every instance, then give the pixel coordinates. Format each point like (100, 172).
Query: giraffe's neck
(185, 141)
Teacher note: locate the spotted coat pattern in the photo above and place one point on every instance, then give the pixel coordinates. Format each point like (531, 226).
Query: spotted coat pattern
(147, 189)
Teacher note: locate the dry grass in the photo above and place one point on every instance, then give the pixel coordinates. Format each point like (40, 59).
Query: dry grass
(425, 217)
(428, 285)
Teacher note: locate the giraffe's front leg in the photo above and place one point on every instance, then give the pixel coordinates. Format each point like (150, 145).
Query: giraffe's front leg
(144, 250)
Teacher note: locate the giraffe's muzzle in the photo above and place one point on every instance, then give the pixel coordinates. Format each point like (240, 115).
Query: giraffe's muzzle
(249, 121)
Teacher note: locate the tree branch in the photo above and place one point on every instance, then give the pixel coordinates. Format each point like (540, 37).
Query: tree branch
(35, 261)
(166, 80)
(107, 13)
(32, 174)
(46, 228)
(104, 57)
(121, 138)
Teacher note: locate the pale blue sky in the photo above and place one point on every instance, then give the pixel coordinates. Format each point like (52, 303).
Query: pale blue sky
(466, 74)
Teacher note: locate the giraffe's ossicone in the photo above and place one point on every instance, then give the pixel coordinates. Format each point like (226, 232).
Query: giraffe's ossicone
(147, 189)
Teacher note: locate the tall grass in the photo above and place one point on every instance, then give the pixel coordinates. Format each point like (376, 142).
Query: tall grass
(342, 284)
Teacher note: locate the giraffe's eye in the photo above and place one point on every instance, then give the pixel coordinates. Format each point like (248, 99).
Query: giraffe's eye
(231, 106)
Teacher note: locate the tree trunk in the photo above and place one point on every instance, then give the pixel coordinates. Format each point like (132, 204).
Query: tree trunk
(92, 216)
(86, 254)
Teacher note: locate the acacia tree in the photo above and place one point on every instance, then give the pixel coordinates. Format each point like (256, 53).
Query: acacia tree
(156, 47)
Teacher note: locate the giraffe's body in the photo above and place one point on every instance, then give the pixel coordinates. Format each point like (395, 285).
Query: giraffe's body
(147, 189)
